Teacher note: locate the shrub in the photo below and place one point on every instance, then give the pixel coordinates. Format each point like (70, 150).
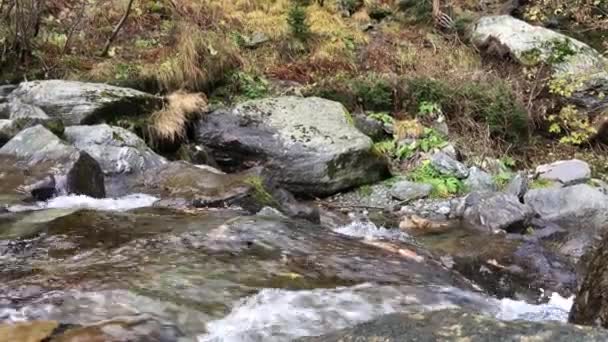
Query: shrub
(297, 20)
(374, 92)
(443, 186)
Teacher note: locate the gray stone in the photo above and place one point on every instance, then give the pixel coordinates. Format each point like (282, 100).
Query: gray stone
(479, 181)
(37, 156)
(449, 166)
(20, 110)
(5, 90)
(459, 325)
(256, 39)
(520, 38)
(518, 186)
(369, 126)
(308, 144)
(450, 150)
(496, 212)
(8, 130)
(408, 191)
(83, 103)
(581, 209)
(121, 154)
(509, 36)
(567, 172)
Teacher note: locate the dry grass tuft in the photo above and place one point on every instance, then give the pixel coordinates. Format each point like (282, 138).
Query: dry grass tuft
(169, 124)
(200, 59)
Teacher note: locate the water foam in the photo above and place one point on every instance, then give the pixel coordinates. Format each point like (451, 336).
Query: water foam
(556, 309)
(128, 202)
(369, 231)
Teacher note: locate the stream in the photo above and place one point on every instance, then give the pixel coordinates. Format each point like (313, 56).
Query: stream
(138, 272)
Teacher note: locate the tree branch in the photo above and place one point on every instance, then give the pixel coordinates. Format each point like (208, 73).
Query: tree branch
(116, 29)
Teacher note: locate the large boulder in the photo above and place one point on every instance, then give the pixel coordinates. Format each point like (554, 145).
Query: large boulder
(580, 209)
(37, 162)
(591, 303)
(309, 144)
(121, 154)
(567, 172)
(10, 128)
(585, 68)
(197, 186)
(83, 103)
(496, 212)
(459, 325)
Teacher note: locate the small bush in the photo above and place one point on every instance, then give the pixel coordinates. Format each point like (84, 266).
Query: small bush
(443, 186)
(370, 91)
(297, 20)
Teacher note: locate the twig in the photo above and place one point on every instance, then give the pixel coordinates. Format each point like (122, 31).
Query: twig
(106, 48)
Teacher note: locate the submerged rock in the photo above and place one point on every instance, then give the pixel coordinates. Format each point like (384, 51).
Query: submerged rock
(308, 144)
(458, 325)
(121, 154)
(496, 212)
(567, 172)
(84, 103)
(37, 157)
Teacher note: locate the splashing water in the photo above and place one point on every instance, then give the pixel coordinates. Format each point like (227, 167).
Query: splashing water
(128, 202)
(556, 309)
(369, 231)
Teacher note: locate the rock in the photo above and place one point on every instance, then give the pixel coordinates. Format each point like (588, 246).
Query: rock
(567, 172)
(34, 331)
(407, 191)
(591, 303)
(497, 212)
(518, 186)
(458, 325)
(201, 187)
(519, 38)
(121, 154)
(256, 39)
(5, 90)
(505, 35)
(37, 157)
(19, 110)
(451, 151)
(84, 103)
(308, 144)
(371, 127)
(10, 128)
(449, 166)
(580, 209)
(196, 154)
(479, 181)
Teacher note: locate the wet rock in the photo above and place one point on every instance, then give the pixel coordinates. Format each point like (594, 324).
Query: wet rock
(84, 103)
(308, 144)
(518, 186)
(434, 209)
(202, 187)
(497, 212)
(458, 325)
(591, 303)
(36, 331)
(449, 166)
(407, 191)
(37, 157)
(133, 330)
(479, 181)
(196, 154)
(121, 154)
(580, 209)
(567, 172)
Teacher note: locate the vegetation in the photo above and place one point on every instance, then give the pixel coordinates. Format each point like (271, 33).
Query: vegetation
(443, 186)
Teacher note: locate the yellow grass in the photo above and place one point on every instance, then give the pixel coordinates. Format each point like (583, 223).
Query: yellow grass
(169, 123)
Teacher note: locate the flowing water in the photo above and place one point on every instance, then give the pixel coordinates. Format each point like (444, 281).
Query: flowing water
(219, 275)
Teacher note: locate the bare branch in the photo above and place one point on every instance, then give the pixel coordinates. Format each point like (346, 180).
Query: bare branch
(116, 29)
